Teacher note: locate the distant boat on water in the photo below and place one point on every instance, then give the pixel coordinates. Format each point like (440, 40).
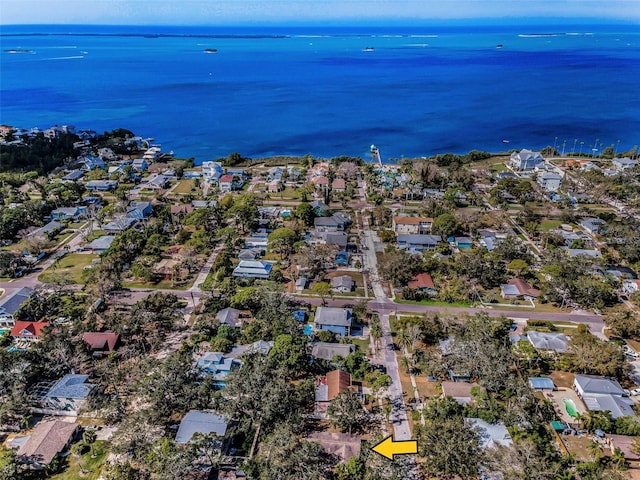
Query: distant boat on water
(499, 45)
(210, 50)
(505, 141)
(19, 50)
(368, 49)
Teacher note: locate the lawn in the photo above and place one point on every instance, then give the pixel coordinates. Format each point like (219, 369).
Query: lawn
(70, 266)
(546, 225)
(161, 285)
(499, 167)
(91, 466)
(184, 186)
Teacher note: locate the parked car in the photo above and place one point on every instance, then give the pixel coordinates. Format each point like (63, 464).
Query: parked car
(630, 352)
(635, 391)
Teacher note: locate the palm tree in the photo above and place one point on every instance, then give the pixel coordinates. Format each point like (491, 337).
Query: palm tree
(407, 363)
(595, 449)
(404, 339)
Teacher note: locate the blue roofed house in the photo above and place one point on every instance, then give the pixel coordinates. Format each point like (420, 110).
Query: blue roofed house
(67, 396)
(218, 365)
(196, 421)
(119, 224)
(342, 258)
(139, 210)
(140, 165)
(91, 163)
(333, 319)
(10, 303)
(299, 315)
(101, 185)
(50, 229)
(100, 244)
(72, 176)
(525, 160)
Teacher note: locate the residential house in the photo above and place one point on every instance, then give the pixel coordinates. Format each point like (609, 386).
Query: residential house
(578, 252)
(592, 225)
(328, 351)
(48, 230)
(412, 225)
(152, 154)
(549, 181)
(274, 186)
(180, 211)
(90, 163)
(541, 383)
(67, 396)
(228, 316)
(342, 284)
(330, 386)
(424, 283)
(253, 269)
(69, 213)
(48, 440)
(461, 242)
(338, 185)
(320, 208)
(603, 394)
(320, 170)
(624, 163)
(117, 169)
(211, 171)
(225, 183)
(336, 320)
(158, 182)
(418, 243)
(101, 185)
(119, 224)
(341, 445)
(101, 343)
(72, 176)
(139, 210)
(106, 153)
(10, 304)
(338, 239)
(548, 341)
(217, 364)
(203, 204)
(518, 288)
(525, 160)
(460, 391)
(492, 435)
(250, 253)
(334, 223)
(262, 347)
(191, 174)
(299, 315)
(140, 165)
(27, 331)
(100, 244)
(197, 421)
(321, 183)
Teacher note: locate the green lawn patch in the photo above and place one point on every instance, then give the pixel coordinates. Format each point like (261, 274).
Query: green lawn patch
(184, 186)
(547, 225)
(91, 464)
(70, 266)
(362, 344)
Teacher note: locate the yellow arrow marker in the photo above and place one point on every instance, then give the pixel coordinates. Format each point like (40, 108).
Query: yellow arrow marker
(388, 448)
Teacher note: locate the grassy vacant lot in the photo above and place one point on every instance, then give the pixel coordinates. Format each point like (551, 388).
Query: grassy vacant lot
(547, 225)
(71, 266)
(184, 186)
(91, 464)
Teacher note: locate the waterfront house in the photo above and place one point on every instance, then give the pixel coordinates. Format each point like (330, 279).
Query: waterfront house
(211, 171)
(333, 319)
(101, 185)
(624, 163)
(525, 160)
(101, 343)
(205, 423)
(258, 269)
(412, 225)
(27, 331)
(225, 183)
(10, 304)
(47, 441)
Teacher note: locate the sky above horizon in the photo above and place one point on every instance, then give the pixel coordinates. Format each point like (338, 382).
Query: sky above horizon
(315, 12)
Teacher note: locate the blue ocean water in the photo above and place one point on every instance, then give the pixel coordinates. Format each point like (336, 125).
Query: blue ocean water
(319, 91)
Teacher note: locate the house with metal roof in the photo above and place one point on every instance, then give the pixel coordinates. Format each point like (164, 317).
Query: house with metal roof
(541, 383)
(50, 228)
(333, 319)
(228, 316)
(119, 224)
(100, 244)
(197, 421)
(492, 435)
(238, 351)
(418, 243)
(258, 269)
(68, 213)
(342, 284)
(27, 331)
(101, 185)
(67, 396)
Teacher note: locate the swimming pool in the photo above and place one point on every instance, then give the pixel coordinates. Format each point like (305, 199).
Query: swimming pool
(570, 407)
(308, 329)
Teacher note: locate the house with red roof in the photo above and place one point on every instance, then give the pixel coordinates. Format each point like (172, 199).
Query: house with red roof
(338, 185)
(320, 182)
(225, 183)
(330, 386)
(29, 331)
(424, 283)
(518, 288)
(101, 343)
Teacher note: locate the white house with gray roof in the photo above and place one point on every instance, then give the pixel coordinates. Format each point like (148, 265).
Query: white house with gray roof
(554, 342)
(603, 394)
(328, 351)
(333, 319)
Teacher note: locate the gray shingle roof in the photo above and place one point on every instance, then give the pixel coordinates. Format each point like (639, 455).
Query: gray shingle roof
(12, 303)
(333, 316)
(326, 351)
(196, 421)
